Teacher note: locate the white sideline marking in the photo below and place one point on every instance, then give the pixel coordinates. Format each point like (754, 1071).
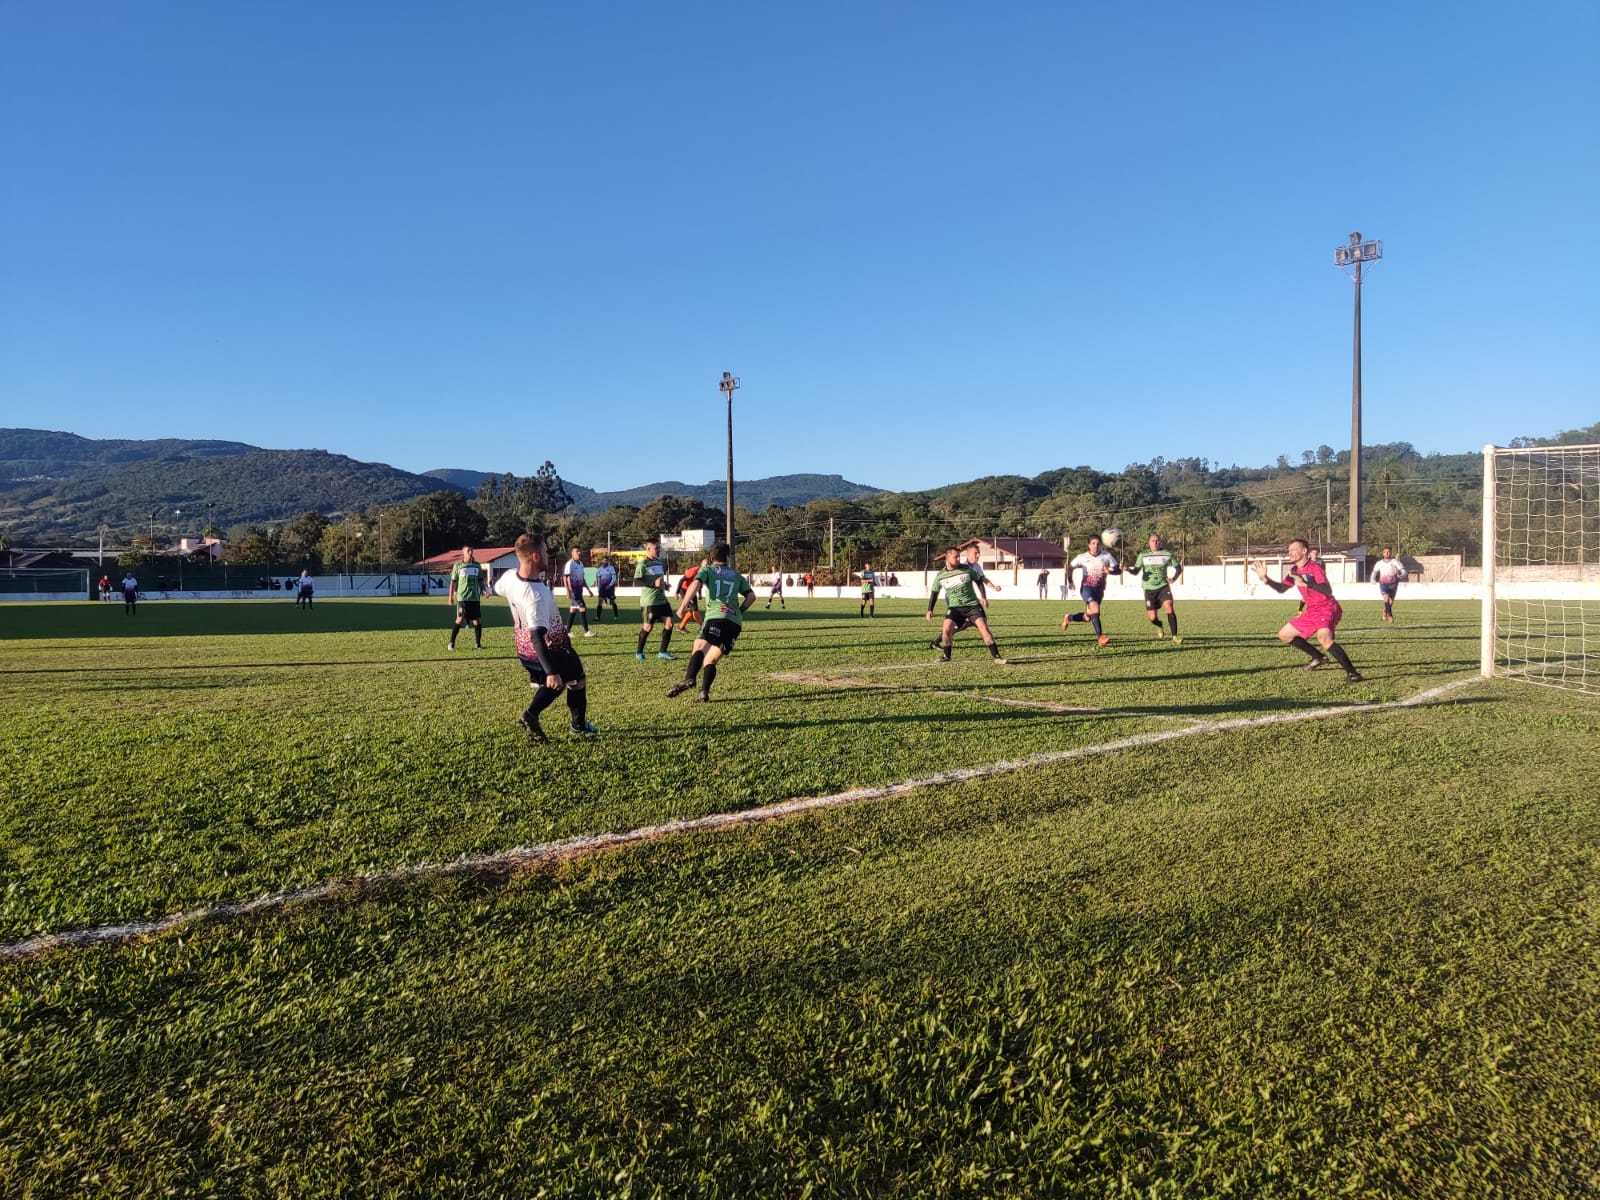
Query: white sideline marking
(1044, 704)
(589, 843)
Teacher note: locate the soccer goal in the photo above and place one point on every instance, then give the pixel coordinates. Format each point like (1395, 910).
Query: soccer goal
(25, 583)
(1541, 565)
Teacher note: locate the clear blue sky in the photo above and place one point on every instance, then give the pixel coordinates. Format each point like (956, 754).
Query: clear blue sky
(935, 240)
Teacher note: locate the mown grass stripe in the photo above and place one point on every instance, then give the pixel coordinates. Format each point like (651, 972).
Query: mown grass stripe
(124, 931)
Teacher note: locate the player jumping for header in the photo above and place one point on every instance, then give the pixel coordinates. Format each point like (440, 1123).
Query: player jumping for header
(1096, 564)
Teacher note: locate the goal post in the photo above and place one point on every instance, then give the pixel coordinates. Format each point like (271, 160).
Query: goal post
(1541, 565)
(22, 583)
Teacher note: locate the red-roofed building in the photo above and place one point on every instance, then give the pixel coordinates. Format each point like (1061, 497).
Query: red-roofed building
(1017, 554)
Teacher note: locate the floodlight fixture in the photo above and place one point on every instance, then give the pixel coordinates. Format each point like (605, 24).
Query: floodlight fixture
(1351, 259)
(729, 384)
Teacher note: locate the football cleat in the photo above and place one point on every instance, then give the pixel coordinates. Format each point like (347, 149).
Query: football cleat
(640, 656)
(1103, 640)
(586, 730)
(531, 728)
(665, 655)
(1354, 677)
(702, 697)
(1315, 663)
(679, 688)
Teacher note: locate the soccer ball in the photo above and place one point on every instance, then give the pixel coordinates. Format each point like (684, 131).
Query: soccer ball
(1110, 537)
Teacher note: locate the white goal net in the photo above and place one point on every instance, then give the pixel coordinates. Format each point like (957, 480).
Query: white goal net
(24, 583)
(1541, 565)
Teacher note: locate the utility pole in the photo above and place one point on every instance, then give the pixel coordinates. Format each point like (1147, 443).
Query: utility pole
(728, 386)
(1356, 255)
(830, 543)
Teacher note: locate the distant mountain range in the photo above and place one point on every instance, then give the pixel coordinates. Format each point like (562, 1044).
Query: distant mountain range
(786, 491)
(62, 487)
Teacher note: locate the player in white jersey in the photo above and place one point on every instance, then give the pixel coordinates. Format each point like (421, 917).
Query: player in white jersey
(1097, 566)
(543, 646)
(1387, 573)
(984, 582)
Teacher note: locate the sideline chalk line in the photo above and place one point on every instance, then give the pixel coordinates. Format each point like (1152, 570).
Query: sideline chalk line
(585, 844)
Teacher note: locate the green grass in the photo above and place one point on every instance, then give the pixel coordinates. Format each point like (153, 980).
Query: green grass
(1358, 955)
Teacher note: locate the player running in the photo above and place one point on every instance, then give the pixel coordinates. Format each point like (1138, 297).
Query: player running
(1159, 569)
(1387, 573)
(1322, 612)
(728, 597)
(689, 606)
(959, 586)
(543, 646)
(653, 604)
(1096, 564)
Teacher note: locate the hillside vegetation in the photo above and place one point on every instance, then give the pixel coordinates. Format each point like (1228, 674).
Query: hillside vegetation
(326, 510)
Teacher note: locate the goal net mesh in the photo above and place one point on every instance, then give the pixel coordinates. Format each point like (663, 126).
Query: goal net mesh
(1545, 580)
(30, 581)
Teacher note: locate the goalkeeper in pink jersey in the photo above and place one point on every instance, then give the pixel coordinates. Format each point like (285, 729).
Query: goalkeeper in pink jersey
(1322, 611)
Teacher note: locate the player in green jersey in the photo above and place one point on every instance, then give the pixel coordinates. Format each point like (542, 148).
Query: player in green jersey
(1158, 569)
(468, 580)
(728, 596)
(869, 591)
(651, 576)
(959, 587)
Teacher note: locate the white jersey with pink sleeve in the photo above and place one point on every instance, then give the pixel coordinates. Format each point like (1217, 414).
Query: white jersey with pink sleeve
(533, 606)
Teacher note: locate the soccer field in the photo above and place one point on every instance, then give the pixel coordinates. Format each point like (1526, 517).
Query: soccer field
(1136, 920)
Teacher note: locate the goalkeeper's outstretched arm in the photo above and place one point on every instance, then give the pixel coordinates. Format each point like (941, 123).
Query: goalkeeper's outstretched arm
(1274, 584)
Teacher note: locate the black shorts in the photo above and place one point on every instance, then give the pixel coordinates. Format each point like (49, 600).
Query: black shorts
(569, 667)
(721, 633)
(657, 612)
(965, 616)
(1153, 599)
(468, 610)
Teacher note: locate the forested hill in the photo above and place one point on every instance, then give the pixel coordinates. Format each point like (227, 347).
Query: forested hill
(57, 488)
(60, 487)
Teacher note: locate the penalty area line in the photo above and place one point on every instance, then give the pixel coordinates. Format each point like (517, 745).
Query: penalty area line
(583, 845)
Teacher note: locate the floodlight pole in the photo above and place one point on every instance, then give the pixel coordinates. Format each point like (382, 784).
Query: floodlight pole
(729, 384)
(1356, 255)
